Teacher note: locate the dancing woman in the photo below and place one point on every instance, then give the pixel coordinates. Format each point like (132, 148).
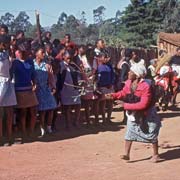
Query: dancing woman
(143, 123)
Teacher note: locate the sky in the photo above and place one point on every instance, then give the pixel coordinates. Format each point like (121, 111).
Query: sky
(50, 10)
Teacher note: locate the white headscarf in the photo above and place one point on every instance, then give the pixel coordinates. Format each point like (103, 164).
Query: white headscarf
(139, 70)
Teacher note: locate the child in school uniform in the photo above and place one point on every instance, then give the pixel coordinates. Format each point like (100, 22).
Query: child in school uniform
(7, 93)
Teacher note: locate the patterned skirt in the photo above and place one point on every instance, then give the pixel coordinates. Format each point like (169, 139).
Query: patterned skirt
(135, 133)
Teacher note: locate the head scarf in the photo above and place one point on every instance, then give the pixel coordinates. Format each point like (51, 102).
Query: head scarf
(139, 70)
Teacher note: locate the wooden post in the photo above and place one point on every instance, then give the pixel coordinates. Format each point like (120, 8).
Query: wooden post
(38, 27)
(158, 45)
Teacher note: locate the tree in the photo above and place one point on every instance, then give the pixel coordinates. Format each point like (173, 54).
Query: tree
(55, 29)
(8, 19)
(171, 12)
(62, 18)
(83, 18)
(72, 27)
(98, 14)
(92, 33)
(22, 22)
(31, 32)
(142, 20)
(118, 16)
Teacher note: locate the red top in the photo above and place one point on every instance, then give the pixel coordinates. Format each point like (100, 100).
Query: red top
(70, 45)
(59, 57)
(143, 91)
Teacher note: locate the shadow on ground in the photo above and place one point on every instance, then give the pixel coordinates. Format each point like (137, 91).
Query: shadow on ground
(173, 112)
(172, 154)
(81, 131)
(73, 132)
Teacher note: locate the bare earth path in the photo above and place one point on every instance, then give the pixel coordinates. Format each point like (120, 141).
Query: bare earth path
(93, 154)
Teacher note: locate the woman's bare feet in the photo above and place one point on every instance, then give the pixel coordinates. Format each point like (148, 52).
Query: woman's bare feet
(156, 159)
(125, 157)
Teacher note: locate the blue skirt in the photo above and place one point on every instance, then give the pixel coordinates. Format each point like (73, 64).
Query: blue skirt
(46, 99)
(7, 94)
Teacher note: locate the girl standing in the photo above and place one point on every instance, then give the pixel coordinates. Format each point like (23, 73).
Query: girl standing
(44, 91)
(105, 81)
(67, 82)
(23, 72)
(7, 93)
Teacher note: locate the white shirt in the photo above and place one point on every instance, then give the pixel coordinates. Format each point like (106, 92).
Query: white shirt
(95, 63)
(142, 62)
(84, 61)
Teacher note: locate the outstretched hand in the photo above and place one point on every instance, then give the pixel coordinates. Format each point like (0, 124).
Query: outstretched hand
(109, 96)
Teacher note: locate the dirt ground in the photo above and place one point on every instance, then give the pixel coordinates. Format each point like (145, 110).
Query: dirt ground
(94, 154)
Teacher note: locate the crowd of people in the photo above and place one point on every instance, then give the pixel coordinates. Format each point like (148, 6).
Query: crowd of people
(37, 78)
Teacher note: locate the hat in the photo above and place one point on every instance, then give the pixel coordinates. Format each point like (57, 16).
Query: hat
(139, 69)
